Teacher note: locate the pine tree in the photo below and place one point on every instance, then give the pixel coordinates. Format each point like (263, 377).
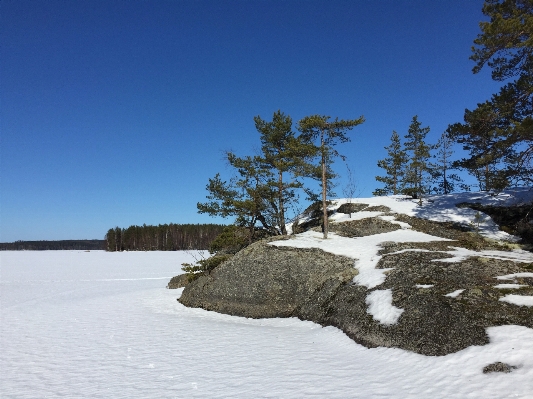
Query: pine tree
(394, 166)
(249, 196)
(505, 45)
(484, 139)
(416, 175)
(283, 153)
(265, 185)
(328, 134)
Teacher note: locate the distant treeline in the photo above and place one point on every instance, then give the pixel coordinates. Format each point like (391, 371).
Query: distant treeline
(85, 245)
(165, 237)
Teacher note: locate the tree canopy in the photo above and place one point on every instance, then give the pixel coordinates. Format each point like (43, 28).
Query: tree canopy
(328, 134)
(265, 185)
(499, 132)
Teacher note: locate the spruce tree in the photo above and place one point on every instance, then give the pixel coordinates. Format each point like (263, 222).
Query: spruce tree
(417, 172)
(326, 135)
(394, 166)
(110, 240)
(444, 180)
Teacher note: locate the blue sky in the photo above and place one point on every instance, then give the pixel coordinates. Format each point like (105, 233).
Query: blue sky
(116, 113)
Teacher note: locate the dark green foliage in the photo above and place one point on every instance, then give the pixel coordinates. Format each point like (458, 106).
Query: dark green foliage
(165, 237)
(325, 135)
(394, 167)
(231, 240)
(248, 197)
(483, 136)
(499, 133)
(264, 186)
(79, 245)
(203, 266)
(283, 153)
(445, 182)
(417, 172)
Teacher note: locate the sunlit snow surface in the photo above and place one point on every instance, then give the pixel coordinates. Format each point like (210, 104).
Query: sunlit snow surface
(102, 325)
(381, 308)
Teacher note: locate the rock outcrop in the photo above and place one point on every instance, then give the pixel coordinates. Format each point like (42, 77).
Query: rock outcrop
(267, 281)
(178, 282)
(264, 280)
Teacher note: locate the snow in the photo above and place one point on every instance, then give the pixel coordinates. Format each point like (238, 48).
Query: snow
(424, 285)
(342, 217)
(509, 286)
(455, 294)
(520, 300)
(381, 308)
(391, 219)
(515, 275)
(102, 325)
(460, 254)
(364, 250)
(441, 208)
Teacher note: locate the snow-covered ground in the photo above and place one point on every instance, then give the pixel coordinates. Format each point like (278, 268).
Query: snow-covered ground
(441, 208)
(103, 325)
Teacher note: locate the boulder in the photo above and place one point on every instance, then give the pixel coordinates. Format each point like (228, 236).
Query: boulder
(268, 281)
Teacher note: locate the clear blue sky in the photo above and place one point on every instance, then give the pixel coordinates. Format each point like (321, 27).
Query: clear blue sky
(116, 113)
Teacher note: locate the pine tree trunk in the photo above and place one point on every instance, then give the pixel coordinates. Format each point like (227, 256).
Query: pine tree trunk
(324, 188)
(281, 210)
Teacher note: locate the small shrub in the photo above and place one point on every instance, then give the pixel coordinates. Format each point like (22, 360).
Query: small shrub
(203, 266)
(230, 241)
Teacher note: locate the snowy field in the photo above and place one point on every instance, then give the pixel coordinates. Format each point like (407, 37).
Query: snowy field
(103, 325)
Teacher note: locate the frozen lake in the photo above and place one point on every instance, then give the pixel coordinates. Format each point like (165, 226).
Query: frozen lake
(93, 324)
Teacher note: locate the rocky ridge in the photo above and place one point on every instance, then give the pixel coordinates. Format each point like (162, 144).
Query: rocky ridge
(265, 280)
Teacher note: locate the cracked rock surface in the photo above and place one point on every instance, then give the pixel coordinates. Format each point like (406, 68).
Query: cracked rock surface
(269, 281)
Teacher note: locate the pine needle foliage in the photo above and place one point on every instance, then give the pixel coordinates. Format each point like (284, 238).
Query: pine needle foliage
(325, 135)
(394, 167)
(499, 132)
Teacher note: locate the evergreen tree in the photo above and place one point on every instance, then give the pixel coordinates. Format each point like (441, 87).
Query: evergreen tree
(445, 181)
(118, 239)
(328, 134)
(265, 185)
(483, 137)
(394, 166)
(284, 154)
(505, 45)
(248, 197)
(110, 240)
(417, 172)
